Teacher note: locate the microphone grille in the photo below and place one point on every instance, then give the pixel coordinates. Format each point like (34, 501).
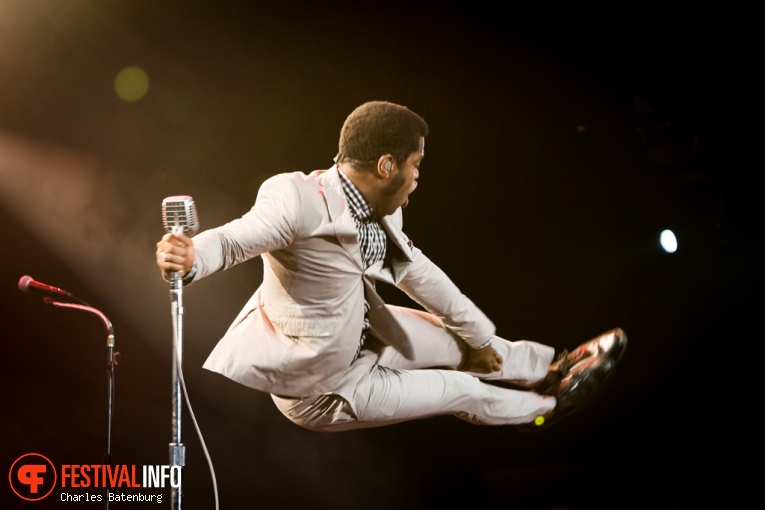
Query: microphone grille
(179, 214)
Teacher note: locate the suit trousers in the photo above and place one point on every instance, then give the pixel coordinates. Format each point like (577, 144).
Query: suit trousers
(382, 387)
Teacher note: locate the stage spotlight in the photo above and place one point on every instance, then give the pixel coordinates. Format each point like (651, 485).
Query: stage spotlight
(131, 84)
(668, 241)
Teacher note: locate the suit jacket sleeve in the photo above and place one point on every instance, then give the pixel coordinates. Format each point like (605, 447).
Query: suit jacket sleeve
(270, 225)
(432, 289)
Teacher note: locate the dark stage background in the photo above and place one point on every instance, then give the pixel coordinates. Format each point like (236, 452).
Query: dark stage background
(559, 149)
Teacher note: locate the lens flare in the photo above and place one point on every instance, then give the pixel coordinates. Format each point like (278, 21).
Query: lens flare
(668, 241)
(131, 84)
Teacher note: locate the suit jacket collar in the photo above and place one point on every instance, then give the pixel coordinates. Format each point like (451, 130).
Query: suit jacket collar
(345, 227)
(337, 205)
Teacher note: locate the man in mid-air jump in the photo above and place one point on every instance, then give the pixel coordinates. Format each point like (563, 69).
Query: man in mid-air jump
(317, 336)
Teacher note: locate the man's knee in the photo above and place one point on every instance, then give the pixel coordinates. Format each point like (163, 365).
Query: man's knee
(325, 413)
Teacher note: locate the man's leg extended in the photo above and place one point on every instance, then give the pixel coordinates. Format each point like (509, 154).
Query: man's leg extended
(525, 363)
(386, 396)
(385, 388)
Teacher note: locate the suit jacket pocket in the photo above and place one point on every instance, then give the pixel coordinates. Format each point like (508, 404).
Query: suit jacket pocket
(317, 327)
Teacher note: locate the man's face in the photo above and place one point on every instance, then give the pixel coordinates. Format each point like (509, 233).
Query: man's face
(403, 182)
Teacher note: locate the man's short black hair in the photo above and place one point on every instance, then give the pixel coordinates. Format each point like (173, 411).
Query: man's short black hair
(377, 128)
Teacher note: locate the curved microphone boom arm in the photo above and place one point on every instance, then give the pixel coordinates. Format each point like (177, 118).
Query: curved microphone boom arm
(53, 294)
(111, 363)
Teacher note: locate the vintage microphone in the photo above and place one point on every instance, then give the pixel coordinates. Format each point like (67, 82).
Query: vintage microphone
(29, 284)
(179, 215)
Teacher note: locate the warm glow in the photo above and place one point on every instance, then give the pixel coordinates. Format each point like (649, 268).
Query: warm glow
(131, 84)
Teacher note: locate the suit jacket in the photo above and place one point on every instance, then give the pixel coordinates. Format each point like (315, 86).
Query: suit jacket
(299, 332)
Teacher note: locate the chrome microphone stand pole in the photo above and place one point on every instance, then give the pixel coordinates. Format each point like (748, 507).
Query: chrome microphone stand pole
(177, 449)
(179, 216)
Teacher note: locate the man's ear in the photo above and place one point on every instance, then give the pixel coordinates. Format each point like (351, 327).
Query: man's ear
(385, 165)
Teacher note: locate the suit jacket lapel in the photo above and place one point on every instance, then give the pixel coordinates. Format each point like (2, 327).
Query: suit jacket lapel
(345, 228)
(384, 325)
(340, 215)
(398, 238)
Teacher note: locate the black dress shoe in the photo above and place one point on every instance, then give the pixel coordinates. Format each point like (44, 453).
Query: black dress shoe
(583, 374)
(584, 381)
(611, 343)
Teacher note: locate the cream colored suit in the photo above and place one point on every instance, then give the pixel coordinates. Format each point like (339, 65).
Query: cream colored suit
(298, 335)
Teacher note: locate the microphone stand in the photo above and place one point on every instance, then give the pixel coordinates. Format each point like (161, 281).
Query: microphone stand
(177, 449)
(178, 216)
(111, 363)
